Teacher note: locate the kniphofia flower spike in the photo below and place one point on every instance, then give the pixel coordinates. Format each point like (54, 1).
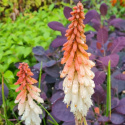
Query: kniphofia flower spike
(78, 84)
(28, 93)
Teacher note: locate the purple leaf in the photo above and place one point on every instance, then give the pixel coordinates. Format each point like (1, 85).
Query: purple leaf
(119, 85)
(52, 71)
(67, 11)
(35, 73)
(60, 85)
(103, 9)
(38, 65)
(89, 38)
(61, 112)
(121, 107)
(114, 58)
(56, 96)
(99, 96)
(103, 119)
(118, 44)
(6, 91)
(112, 18)
(114, 102)
(115, 21)
(120, 77)
(90, 114)
(118, 23)
(49, 79)
(94, 69)
(90, 15)
(96, 24)
(57, 26)
(39, 54)
(38, 50)
(45, 64)
(102, 35)
(59, 41)
(50, 63)
(43, 95)
(69, 123)
(96, 123)
(119, 33)
(92, 57)
(99, 77)
(117, 118)
(73, 123)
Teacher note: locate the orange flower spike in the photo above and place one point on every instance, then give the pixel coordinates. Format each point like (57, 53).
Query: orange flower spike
(78, 84)
(27, 94)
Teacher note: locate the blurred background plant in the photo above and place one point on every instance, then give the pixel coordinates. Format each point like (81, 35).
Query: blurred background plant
(25, 36)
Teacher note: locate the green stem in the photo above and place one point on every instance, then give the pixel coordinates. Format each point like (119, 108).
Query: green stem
(51, 122)
(1, 116)
(40, 75)
(49, 114)
(44, 121)
(84, 120)
(19, 122)
(108, 100)
(3, 98)
(15, 116)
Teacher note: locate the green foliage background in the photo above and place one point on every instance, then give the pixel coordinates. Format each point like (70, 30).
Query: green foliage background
(18, 38)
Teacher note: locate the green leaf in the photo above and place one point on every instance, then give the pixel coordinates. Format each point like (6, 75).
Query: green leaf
(12, 59)
(8, 74)
(3, 67)
(1, 54)
(27, 51)
(14, 87)
(51, 6)
(1, 9)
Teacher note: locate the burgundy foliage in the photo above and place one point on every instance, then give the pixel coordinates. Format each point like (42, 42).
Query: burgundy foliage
(105, 45)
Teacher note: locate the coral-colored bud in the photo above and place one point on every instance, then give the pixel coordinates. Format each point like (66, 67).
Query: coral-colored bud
(74, 46)
(71, 18)
(71, 25)
(75, 7)
(77, 66)
(75, 30)
(75, 23)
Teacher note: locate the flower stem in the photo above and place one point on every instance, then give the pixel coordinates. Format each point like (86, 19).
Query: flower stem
(44, 121)
(3, 98)
(49, 114)
(108, 100)
(84, 120)
(40, 75)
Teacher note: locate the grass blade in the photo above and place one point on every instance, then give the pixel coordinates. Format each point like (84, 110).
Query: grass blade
(40, 75)
(49, 114)
(3, 98)
(108, 99)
